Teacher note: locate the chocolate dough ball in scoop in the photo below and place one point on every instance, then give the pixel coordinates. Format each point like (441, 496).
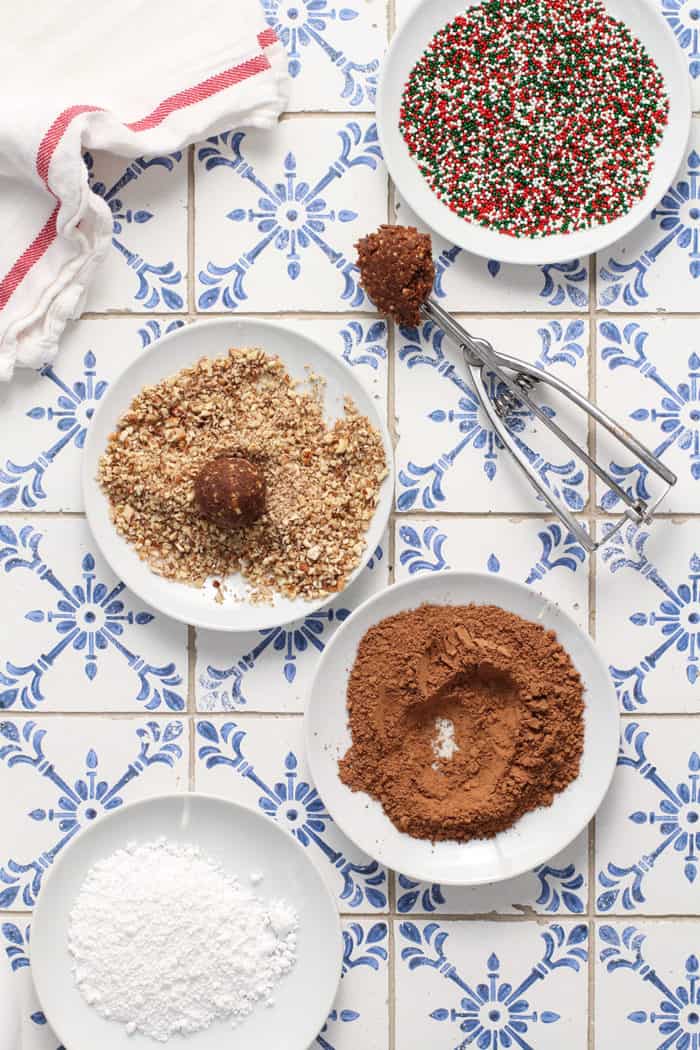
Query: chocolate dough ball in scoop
(230, 491)
(397, 271)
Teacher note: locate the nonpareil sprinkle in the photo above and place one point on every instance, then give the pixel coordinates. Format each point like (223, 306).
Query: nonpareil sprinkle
(535, 117)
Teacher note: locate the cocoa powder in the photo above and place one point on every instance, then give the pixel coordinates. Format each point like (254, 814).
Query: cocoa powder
(463, 718)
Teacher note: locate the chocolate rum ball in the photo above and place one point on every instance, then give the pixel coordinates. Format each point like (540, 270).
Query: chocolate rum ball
(230, 491)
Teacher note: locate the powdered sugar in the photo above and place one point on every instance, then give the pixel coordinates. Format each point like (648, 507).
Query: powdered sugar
(165, 941)
(444, 743)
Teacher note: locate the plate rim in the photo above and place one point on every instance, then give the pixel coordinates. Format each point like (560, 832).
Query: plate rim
(182, 796)
(311, 743)
(507, 249)
(90, 487)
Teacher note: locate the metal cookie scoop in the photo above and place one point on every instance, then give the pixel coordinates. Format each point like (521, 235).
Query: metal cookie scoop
(397, 271)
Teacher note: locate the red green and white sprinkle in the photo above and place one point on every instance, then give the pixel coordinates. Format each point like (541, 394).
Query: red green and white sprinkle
(535, 117)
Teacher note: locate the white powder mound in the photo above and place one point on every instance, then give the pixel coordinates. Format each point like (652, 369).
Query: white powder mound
(444, 744)
(165, 942)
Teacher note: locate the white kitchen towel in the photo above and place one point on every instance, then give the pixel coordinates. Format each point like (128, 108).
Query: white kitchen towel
(140, 77)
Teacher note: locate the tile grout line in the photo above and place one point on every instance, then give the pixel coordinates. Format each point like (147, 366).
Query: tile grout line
(529, 916)
(191, 631)
(137, 713)
(191, 308)
(391, 423)
(191, 699)
(243, 715)
(536, 918)
(440, 515)
(321, 315)
(592, 619)
(592, 937)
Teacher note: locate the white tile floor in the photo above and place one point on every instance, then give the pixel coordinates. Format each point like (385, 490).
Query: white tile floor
(79, 641)
(649, 375)
(333, 52)
(260, 762)
(107, 695)
(532, 550)
(448, 457)
(65, 773)
(647, 985)
(525, 981)
(272, 670)
(655, 268)
(648, 616)
(646, 857)
(277, 217)
(147, 267)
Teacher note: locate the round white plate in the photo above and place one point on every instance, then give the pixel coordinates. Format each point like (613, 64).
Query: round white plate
(243, 841)
(538, 835)
(179, 349)
(645, 20)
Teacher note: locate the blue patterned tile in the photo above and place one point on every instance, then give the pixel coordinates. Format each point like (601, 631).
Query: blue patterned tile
(649, 378)
(683, 16)
(657, 267)
(468, 282)
(648, 615)
(17, 986)
(260, 762)
(648, 986)
(146, 268)
(18, 998)
(333, 50)
(277, 217)
(48, 412)
(360, 1014)
(57, 776)
(648, 830)
(81, 641)
(559, 887)
(491, 985)
(538, 553)
(448, 456)
(272, 670)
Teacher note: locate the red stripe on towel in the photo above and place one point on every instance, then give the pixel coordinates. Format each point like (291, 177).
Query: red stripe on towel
(219, 82)
(55, 134)
(206, 89)
(28, 257)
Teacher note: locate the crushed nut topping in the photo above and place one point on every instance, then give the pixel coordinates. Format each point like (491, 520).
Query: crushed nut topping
(322, 479)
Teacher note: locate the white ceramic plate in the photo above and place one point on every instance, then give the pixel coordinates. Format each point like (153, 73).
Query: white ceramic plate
(243, 841)
(538, 835)
(647, 23)
(179, 349)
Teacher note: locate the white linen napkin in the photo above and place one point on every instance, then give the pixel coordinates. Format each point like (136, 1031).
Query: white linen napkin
(135, 78)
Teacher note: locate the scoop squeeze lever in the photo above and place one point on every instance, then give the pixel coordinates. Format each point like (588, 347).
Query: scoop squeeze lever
(517, 380)
(397, 272)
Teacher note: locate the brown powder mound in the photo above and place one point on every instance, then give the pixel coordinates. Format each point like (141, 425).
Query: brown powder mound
(397, 271)
(322, 480)
(463, 718)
